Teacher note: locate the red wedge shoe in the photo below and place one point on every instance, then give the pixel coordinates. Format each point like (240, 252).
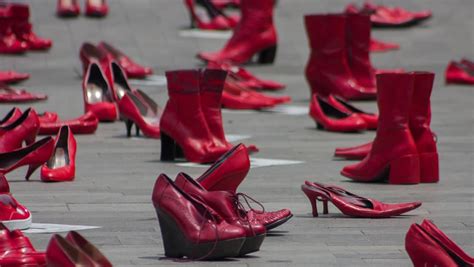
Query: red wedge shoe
(11, 116)
(457, 73)
(394, 154)
(13, 215)
(68, 8)
(24, 128)
(133, 111)
(88, 248)
(217, 20)
(16, 245)
(85, 124)
(370, 119)
(356, 152)
(61, 253)
(332, 118)
(190, 228)
(382, 46)
(351, 204)
(23, 29)
(61, 166)
(255, 34)
(96, 8)
(12, 76)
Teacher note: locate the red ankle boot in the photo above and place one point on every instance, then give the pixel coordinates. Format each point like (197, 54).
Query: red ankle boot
(25, 128)
(327, 70)
(255, 34)
(23, 29)
(394, 154)
(9, 44)
(183, 124)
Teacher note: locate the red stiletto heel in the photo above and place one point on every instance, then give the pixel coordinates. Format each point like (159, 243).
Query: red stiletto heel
(135, 112)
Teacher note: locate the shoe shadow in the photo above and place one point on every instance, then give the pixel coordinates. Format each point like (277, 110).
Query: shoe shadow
(164, 258)
(276, 233)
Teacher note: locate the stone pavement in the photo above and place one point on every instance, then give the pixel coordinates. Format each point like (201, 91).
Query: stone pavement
(115, 175)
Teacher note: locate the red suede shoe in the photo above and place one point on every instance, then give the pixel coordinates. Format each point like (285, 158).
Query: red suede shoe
(68, 8)
(85, 124)
(24, 128)
(97, 8)
(13, 215)
(61, 166)
(12, 76)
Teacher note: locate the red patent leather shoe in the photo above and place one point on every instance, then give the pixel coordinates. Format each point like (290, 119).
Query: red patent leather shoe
(227, 205)
(382, 46)
(270, 219)
(356, 152)
(48, 117)
(10, 95)
(255, 34)
(98, 96)
(190, 228)
(85, 124)
(34, 156)
(183, 125)
(327, 70)
(61, 253)
(17, 250)
(61, 166)
(132, 69)
(118, 80)
(24, 128)
(97, 8)
(458, 73)
(133, 111)
(13, 215)
(351, 204)
(331, 118)
(394, 147)
(68, 8)
(88, 248)
(11, 116)
(370, 119)
(12, 76)
(217, 19)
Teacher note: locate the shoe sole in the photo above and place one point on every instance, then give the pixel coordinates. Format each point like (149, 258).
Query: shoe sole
(275, 224)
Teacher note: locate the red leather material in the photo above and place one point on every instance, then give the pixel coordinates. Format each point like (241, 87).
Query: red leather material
(24, 128)
(88, 248)
(382, 46)
(23, 30)
(148, 122)
(270, 218)
(48, 117)
(12, 76)
(10, 117)
(459, 74)
(61, 253)
(371, 119)
(219, 21)
(11, 95)
(64, 140)
(85, 124)
(11, 212)
(9, 43)
(68, 8)
(16, 249)
(356, 152)
(94, 10)
(89, 53)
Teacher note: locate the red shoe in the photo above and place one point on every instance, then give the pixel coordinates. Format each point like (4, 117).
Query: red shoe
(24, 128)
(134, 111)
(468, 63)
(356, 152)
(98, 97)
(88, 248)
(370, 119)
(97, 8)
(332, 118)
(34, 156)
(118, 80)
(61, 166)
(256, 34)
(16, 245)
(394, 146)
(9, 44)
(10, 95)
(227, 205)
(351, 204)
(190, 228)
(382, 46)
(132, 69)
(48, 117)
(181, 130)
(11, 116)
(12, 76)
(61, 253)
(222, 4)
(270, 219)
(459, 74)
(398, 12)
(89, 53)
(68, 8)
(85, 124)
(217, 19)
(327, 70)
(13, 215)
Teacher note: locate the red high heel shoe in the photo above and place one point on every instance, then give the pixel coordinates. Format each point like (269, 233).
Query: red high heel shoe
(48, 117)
(331, 118)
(68, 8)
(132, 69)
(13, 215)
(12, 76)
(61, 166)
(10, 95)
(459, 74)
(190, 228)
(351, 204)
(227, 205)
(9, 44)
(394, 154)
(135, 112)
(85, 124)
(382, 46)
(11, 116)
(327, 70)
(118, 80)
(88, 248)
(217, 19)
(98, 97)
(370, 119)
(23, 29)
(25, 128)
(34, 156)
(255, 34)
(61, 253)
(183, 124)
(97, 8)
(468, 63)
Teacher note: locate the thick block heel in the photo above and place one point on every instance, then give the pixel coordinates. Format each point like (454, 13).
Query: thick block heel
(267, 56)
(252, 244)
(168, 151)
(429, 168)
(405, 170)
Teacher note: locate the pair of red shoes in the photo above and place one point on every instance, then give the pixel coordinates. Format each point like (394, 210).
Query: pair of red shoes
(13, 215)
(11, 76)
(427, 245)
(461, 72)
(70, 8)
(351, 204)
(339, 61)
(218, 20)
(255, 34)
(404, 150)
(204, 218)
(16, 32)
(334, 114)
(11, 95)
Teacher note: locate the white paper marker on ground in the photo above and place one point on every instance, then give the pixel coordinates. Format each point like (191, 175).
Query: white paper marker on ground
(48, 228)
(254, 163)
(196, 33)
(152, 80)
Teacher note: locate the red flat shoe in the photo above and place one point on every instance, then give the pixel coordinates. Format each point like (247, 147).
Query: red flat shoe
(353, 153)
(98, 96)
(370, 119)
(382, 46)
(97, 8)
(34, 156)
(88, 248)
(457, 73)
(16, 245)
(23, 29)
(61, 253)
(12, 76)
(10, 95)
(217, 19)
(329, 117)
(11, 116)
(255, 34)
(132, 69)
(68, 8)
(13, 215)
(48, 117)
(351, 204)
(61, 166)
(85, 124)
(24, 128)
(133, 111)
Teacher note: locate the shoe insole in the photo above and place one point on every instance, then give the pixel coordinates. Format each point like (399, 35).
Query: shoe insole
(95, 93)
(59, 159)
(96, 2)
(120, 90)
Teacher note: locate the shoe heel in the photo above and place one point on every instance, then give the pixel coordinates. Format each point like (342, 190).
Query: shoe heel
(325, 206)
(267, 56)
(429, 168)
(405, 170)
(137, 130)
(168, 151)
(31, 169)
(128, 125)
(312, 199)
(319, 126)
